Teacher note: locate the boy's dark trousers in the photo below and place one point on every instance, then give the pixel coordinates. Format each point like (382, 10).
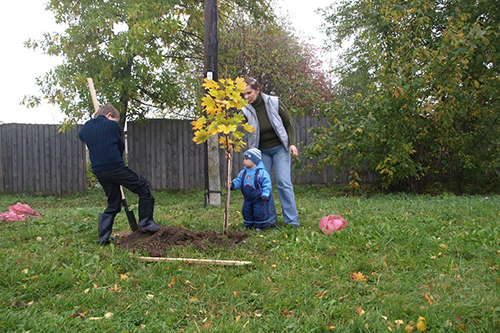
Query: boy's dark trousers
(136, 183)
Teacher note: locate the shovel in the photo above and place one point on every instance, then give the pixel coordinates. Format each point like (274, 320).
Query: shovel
(130, 214)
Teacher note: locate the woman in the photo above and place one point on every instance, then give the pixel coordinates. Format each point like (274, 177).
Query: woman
(275, 137)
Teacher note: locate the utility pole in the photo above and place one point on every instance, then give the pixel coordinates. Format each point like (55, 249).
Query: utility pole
(211, 71)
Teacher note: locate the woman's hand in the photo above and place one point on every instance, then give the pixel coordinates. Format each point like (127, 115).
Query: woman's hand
(294, 151)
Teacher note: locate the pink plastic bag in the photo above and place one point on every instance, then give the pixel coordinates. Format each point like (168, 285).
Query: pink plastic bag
(12, 217)
(18, 212)
(20, 208)
(331, 223)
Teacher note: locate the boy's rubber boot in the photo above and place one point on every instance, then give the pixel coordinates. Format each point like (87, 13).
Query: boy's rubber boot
(105, 227)
(146, 222)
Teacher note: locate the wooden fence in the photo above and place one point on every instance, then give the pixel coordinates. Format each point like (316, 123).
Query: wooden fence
(40, 159)
(163, 151)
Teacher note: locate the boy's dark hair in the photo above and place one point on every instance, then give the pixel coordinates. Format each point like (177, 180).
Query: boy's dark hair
(105, 109)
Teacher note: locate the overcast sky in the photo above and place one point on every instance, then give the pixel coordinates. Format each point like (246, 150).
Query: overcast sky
(25, 19)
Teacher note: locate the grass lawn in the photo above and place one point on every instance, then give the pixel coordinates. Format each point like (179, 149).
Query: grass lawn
(399, 259)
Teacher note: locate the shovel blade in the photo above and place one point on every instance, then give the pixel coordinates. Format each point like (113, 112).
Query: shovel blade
(131, 220)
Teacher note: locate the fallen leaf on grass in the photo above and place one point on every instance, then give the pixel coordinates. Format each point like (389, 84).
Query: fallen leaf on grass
(421, 324)
(208, 324)
(321, 295)
(79, 314)
(125, 276)
(115, 289)
(443, 246)
(360, 311)
(429, 299)
(357, 276)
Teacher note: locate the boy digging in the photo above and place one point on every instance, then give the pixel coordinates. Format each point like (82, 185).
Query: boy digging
(102, 135)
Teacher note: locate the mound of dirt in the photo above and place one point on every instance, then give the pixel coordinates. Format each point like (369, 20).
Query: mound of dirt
(160, 242)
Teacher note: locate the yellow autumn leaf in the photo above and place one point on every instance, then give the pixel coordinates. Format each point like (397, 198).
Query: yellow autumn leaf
(226, 129)
(238, 135)
(200, 136)
(124, 276)
(421, 324)
(199, 123)
(210, 84)
(443, 246)
(360, 311)
(358, 276)
(116, 288)
(212, 129)
(249, 128)
(207, 102)
(240, 83)
(429, 299)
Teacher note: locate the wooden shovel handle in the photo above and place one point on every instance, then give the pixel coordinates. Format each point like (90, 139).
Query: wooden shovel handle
(93, 94)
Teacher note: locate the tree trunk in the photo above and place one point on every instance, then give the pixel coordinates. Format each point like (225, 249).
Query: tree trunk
(228, 193)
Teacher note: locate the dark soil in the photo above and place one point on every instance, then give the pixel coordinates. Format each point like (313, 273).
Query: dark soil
(168, 237)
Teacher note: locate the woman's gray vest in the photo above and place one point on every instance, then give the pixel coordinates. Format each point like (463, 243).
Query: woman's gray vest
(272, 108)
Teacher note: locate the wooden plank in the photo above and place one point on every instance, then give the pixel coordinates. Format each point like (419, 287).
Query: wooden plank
(156, 153)
(36, 157)
(24, 181)
(168, 153)
(63, 170)
(184, 154)
(57, 161)
(198, 261)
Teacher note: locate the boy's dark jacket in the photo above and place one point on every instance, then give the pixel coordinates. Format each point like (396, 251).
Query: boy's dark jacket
(104, 141)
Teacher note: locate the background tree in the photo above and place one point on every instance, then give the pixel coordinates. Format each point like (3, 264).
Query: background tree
(284, 64)
(418, 98)
(143, 55)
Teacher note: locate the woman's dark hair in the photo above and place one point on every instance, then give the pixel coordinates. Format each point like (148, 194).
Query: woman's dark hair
(250, 81)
